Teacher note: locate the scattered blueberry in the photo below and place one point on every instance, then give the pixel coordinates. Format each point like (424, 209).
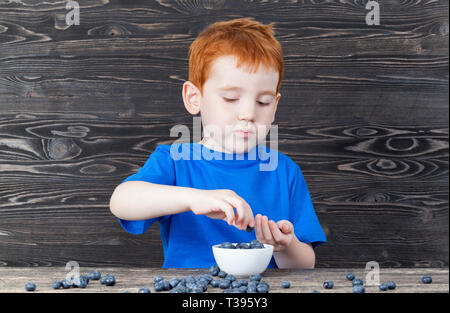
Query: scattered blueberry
(262, 287)
(350, 276)
(174, 282)
(157, 279)
(214, 270)
(426, 279)
(159, 286)
(251, 288)
(110, 280)
(224, 284)
(391, 285)
(359, 289)
(94, 275)
(328, 284)
(357, 281)
(144, 290)
(57, 284)
(383, 287)
(285, 284)
(255, 277)
(30, 286)
(65, 284)
(214, 283)
(230, 277)
(244, 282)
(235, 284)
(222, 274)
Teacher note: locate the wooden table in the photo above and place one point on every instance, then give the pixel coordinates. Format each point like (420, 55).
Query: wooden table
(408, 280)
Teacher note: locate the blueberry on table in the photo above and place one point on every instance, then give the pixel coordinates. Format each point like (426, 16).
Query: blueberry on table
(243, 282)
(144, 290)
(110, 280)
(214, 283)
(94, 275)
(359, 289)
(328, 284)
(315, 291)
(222, 274)
(426, 279)
(65, 284)
(196, 290)
(383, 287)
(174, 282)
(157, 279)
(224, 284)
(214, 270)
(179, 289)
(230, 277)
(57, 284)
(391, 285)
(255, 277)
(285, 284)
(357, 281)
(159, 286)
(30, 286)
(350, 276)
(252, 288)
(262, 288)
(235, 284)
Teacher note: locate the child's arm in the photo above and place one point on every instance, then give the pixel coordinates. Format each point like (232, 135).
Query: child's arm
(140, 200)
(297, 255)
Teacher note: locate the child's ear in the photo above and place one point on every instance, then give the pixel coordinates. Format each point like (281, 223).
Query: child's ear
(191, 98)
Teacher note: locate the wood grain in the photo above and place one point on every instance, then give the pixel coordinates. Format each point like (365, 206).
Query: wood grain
(408, 280)
(364, 112)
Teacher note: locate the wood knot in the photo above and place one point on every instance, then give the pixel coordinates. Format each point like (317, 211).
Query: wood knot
(62, 148)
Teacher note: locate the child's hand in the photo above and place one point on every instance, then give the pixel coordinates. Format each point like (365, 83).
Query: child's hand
(219, 204)
(279, 234)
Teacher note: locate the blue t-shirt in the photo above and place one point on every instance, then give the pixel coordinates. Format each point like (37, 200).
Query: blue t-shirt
(269, 181)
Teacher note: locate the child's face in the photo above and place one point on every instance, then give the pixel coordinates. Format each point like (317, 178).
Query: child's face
(250, 105)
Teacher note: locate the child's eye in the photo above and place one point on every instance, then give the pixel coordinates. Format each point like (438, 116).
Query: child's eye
(259, 102)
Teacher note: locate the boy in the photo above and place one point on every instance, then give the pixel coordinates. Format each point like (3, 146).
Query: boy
(235, 72)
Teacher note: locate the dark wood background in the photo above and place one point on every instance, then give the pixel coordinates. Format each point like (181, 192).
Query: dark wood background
(364, 111)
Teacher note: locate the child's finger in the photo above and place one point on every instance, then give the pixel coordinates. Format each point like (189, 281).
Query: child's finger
(229, 212)
(267, 234)
(285, 226)
(240, 211)
(276, 232)
(258, 232)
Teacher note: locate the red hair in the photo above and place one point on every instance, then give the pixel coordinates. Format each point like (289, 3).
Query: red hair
(251, 42)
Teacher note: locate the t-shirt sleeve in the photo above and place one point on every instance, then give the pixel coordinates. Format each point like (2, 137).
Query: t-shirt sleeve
(158, 169)
(306, 224)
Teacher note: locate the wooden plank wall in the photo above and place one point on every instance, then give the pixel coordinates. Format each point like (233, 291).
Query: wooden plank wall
(364, 112)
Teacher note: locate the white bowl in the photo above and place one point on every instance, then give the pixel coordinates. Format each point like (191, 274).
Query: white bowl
(243, 262)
